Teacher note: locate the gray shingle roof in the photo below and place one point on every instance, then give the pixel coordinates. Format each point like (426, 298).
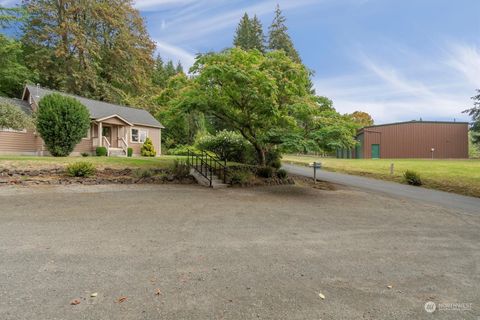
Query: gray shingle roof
(99, 109)
(22, 105)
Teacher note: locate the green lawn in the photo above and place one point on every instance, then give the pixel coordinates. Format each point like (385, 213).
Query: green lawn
(32, 162)
(459, 176)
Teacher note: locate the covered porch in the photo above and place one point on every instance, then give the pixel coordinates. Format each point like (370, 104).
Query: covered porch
(112, 132)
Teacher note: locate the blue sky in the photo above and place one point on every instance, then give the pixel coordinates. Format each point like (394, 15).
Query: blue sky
(396, 59)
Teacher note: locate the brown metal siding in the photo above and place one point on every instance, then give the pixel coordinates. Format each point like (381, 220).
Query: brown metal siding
(415, 140)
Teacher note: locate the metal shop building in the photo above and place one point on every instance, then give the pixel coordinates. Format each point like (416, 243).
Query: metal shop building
(413, 139)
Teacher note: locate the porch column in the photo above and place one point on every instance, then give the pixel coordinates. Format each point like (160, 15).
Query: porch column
(100, 138)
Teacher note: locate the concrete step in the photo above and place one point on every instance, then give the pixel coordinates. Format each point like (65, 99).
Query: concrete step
(117, 152)
(216, 183)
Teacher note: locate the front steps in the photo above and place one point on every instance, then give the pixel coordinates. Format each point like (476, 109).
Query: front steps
(116, 152)
(216, 183)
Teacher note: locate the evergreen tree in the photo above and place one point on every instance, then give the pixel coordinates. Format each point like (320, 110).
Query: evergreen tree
(279, 38)
(170, 70)
(179, 68)
(159, 76)
(249, 34)
(257, 35)
(243, 33)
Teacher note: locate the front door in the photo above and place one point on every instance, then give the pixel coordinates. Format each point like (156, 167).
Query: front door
(107, 132)
(375, 151)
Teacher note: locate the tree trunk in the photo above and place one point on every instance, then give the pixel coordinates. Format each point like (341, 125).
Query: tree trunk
(260, 154)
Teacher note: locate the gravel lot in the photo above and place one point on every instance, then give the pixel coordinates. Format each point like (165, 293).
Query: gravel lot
(187, 252)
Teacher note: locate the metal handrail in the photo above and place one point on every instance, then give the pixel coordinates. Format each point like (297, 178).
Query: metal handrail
(207, 165)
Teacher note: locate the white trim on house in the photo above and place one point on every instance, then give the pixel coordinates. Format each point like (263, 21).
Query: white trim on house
(139, 135)
(114, 116)
(12, 130)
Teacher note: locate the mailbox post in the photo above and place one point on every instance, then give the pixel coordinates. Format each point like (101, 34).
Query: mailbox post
(315, 165)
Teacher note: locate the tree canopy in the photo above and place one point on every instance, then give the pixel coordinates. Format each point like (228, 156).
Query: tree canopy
(249, 34)
(361, 118)
(279, 39)
(12, 117)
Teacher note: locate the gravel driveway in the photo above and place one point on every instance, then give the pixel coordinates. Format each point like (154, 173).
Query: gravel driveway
(187, 252)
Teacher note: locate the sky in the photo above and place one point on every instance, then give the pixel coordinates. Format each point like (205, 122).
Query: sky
(398, 60)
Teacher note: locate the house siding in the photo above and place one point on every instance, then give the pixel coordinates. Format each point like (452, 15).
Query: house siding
(153, 133)
(19, 142)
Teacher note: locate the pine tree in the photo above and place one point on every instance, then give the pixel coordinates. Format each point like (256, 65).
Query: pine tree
(179, 68)
(242, 35)
(170, 70)
(159, 76)
(257, 35)
(279, 38)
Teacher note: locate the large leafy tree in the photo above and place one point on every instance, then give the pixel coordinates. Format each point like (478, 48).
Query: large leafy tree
(361, 118)
(12, 117)
(249, 92)
(62, 122)
(85, 47)
(249, 34)
(475, 114)
(279, 39)
(13, 71)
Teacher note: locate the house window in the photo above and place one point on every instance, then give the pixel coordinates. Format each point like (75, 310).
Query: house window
(12, 130)
(139, 136)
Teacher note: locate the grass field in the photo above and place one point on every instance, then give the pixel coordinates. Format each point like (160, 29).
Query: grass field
(459, 176)
(27, 162)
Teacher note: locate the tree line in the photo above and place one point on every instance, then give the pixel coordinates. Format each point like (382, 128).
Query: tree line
(259, 88)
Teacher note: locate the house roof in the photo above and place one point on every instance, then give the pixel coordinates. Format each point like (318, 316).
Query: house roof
(22, 105)
(100, 109)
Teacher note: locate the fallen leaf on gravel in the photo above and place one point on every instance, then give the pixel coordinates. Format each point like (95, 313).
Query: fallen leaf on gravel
(94, 295)
(389, 287)
(74, 302)
(158, 292)
(321, 296)
(122, 299)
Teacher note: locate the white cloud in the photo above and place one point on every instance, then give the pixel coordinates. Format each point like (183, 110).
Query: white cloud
(175, 53)
(466, 60)
(385, 91)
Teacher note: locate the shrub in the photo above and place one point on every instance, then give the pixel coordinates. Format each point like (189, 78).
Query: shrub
(147, 149)
(84, 154)
(282, 174)
(81, 169)
(62, 122)
(143, 173)
(180, 168)
(240, 177)
(412, 178)
(101, 151)
(228, 145)
(129, 152)
(12, 117)
(265, 172)
(273, 158)
(182, 150)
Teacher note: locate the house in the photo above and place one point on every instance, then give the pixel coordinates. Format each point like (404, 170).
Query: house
(112, 126)
(413, 139)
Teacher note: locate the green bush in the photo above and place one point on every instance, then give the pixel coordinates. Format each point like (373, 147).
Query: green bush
(62, 123)
(228, 145)
(101, 151)
(273, 158)
(180, 168)
(147, 149)
(81, 169)
(12, 117)
(282, 174)
(143, 173)
(129, 152)
(265, 172)
(84, 154)
(240, 177)
(182, 150)
(412, 178)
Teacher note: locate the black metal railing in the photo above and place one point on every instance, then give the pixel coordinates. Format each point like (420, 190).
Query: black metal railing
(208, 165)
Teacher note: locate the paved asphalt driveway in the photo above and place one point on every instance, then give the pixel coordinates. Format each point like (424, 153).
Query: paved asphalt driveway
(440, 198)
(187, 252)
